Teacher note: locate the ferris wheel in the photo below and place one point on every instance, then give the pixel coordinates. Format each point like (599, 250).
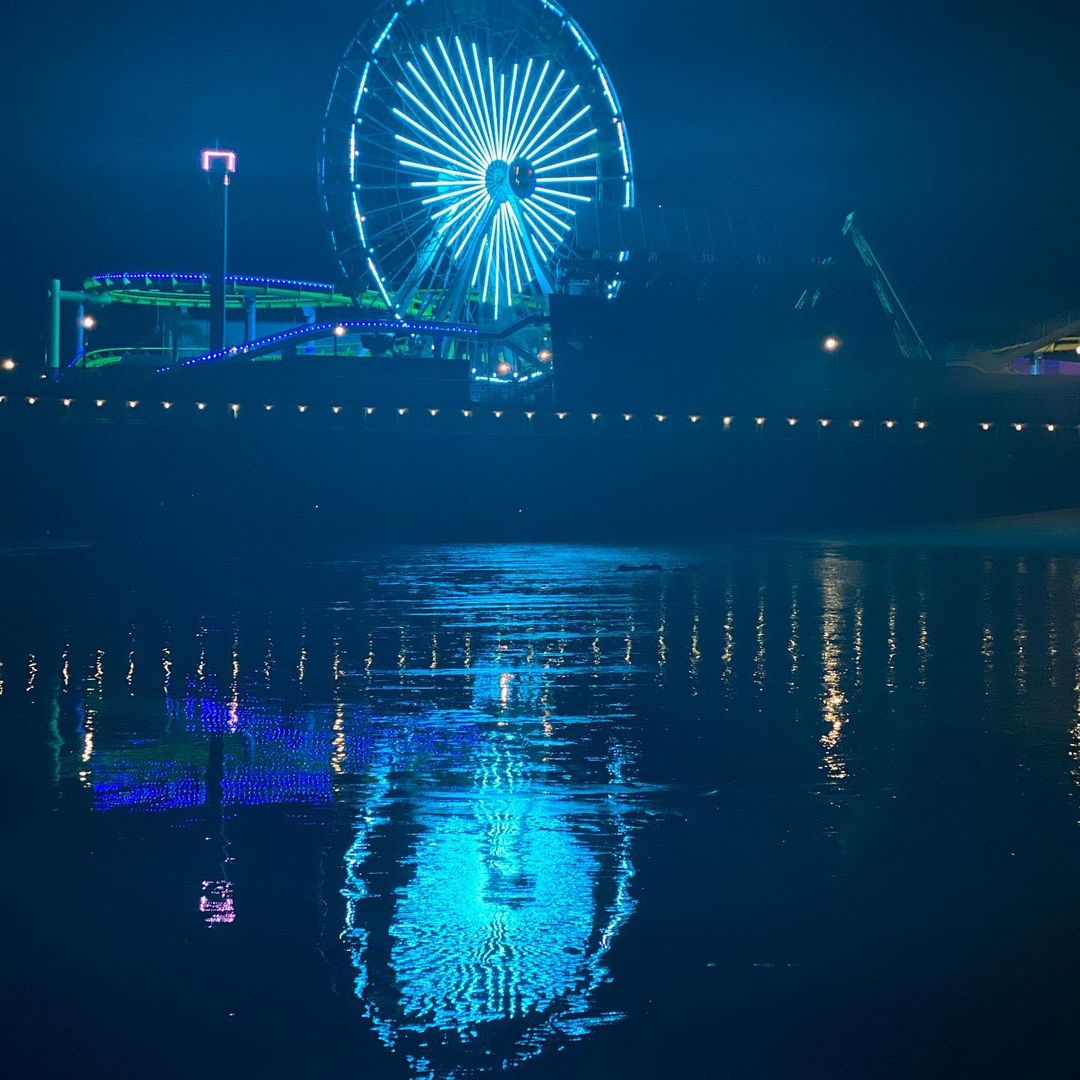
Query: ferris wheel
(461, 140)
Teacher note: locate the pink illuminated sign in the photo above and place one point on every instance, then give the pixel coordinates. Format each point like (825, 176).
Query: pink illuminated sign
(226, 156)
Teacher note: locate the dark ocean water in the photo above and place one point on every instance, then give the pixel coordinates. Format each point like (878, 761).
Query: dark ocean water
(782, 807)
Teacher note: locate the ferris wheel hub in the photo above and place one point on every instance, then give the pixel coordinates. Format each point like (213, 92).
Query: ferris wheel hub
(505, 181)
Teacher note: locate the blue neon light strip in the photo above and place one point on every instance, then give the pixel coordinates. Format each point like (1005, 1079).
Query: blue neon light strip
(235, 279)
(315, 330)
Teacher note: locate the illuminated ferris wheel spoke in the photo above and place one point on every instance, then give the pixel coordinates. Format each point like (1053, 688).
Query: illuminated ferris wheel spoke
(566, 163)
(417, 126)
(464, 136)
(478, 112)
(557, 222)
(554, 205)
(470, 225)
(570, 180)
(457, 196)
(535, 114)
(565, 146)
(458, 100)
(479, 260)
(523, 117)
(488, 127)
(463, 209)
(554, 192)
(432, 153)
(496, 138)
(487, 267)
(539, 223)
(519, 245)
(462, 145)
(535, 145)
(542, 242)
(514, 246)
(510, 98)
(515, 108)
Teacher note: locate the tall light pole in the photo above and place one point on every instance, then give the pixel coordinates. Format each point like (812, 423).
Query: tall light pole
(223, 162)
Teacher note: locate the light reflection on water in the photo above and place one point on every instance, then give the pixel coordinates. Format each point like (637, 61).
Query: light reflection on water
(486, 738)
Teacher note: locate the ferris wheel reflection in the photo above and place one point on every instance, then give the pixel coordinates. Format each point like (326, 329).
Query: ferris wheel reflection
(482, 895)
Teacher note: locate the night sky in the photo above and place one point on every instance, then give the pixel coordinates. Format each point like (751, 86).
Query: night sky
(950, 127)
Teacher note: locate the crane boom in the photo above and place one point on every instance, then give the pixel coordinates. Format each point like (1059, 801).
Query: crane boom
(908, 338)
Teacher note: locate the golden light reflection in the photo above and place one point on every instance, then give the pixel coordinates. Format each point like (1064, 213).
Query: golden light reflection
(793, 641)
(695, 640)
(727, 651)
(833, 700)
(759, 642)
(1074, 730)
(338, 751)
(890, 647)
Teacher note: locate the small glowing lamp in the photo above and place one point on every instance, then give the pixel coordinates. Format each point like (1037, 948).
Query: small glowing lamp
(99, 402)
(792, 421)
(7, 364)
(503, 367)
(335, 409)
(920, 424)
(759, 420)
(339, 330)
(1018, 427)
(166, 404)
(1051, 427)
(824, 421)
(132, 404)
(88, 322)
(856, 423)
(985, 425)
(831, 343)
(544, 356)
(727, 421)
(66, 402)
(890, 424)
(200, 405)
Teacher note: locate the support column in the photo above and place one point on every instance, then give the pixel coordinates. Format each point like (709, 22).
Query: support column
(52, 359)
(249, 317)
(80, 334)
